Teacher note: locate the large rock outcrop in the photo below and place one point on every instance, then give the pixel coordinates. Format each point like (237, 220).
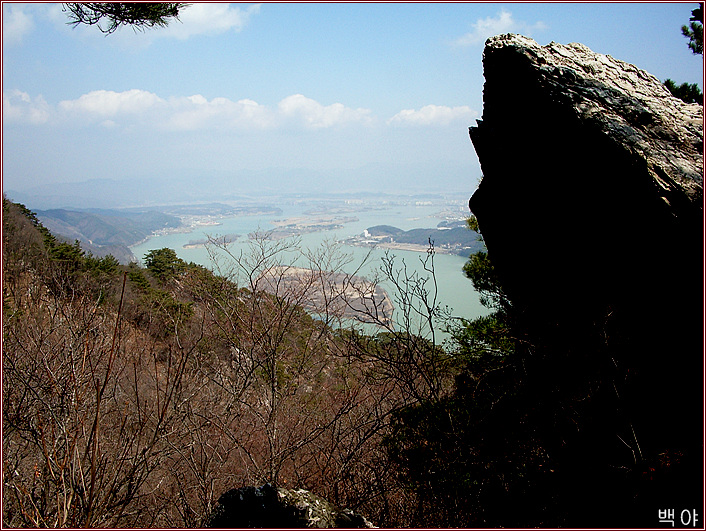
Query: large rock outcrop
(598, 158)
(605, 169)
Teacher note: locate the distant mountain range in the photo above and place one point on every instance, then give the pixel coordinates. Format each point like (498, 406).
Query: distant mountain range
(242, 186)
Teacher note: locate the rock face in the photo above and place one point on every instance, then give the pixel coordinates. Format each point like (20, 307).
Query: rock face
(596, 155)
(606, 167)
(270, 507)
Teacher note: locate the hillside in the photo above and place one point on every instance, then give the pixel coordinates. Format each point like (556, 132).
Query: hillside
(112, 231)
(135, 397)
(107, 231)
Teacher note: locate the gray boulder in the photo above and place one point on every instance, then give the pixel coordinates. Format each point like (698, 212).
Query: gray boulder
(600, 161)
(270, 507)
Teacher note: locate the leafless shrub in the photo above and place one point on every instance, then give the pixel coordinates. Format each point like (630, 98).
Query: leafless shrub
(88, 409)
(134, 414)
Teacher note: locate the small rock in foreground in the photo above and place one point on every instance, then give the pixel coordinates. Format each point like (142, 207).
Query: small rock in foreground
(270, 507)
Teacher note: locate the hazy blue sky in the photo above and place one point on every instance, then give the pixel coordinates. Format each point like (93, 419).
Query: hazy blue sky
(367, 93)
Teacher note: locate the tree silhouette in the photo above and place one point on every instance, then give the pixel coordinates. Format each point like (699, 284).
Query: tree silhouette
(695, 30)
(110, 16)
(687, 92)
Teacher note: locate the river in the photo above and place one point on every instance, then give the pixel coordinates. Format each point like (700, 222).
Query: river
(454, 289)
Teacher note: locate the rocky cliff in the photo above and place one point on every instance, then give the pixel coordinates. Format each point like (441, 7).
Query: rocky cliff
(606, 167)
(597, 156)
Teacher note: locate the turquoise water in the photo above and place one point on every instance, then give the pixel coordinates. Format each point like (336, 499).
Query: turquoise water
(454, 289)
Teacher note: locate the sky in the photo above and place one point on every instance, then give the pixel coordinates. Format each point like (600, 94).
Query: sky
(286, 96)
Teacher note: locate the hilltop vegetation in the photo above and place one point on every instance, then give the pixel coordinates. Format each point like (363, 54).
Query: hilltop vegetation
(134, 397)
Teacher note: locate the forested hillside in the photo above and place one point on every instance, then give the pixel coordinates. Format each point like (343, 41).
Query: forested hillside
(106, 232)
(136, 397)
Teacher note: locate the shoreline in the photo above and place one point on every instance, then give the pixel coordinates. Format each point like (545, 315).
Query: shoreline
(164, 232)
(411, 247)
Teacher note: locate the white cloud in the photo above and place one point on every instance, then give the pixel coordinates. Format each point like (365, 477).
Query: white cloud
(312, 114)
(140, 108)
(251, 112)
(208, 19)
(433, 115)
(109, 103)
(195, 19)
(18, 107)
(16, 23)
(196, 112)
(115, 109)
(503, 23)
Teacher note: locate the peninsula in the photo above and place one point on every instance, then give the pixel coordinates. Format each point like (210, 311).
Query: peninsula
(221, 240)
(449, 237)
(330, 293)
(286, 228)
